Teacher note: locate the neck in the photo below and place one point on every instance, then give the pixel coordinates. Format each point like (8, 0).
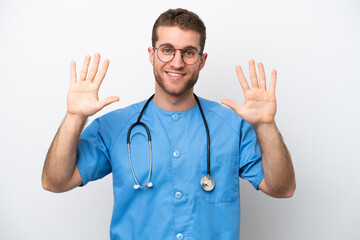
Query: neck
(170, 102)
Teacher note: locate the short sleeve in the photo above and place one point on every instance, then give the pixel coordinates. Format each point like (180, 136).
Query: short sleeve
(250, 156)
(93, 159)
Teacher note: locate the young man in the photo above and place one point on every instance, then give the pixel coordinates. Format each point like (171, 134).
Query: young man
(185, 183)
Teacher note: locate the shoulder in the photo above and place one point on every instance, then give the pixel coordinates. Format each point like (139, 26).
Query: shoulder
(216, 109)
(221, 114)
(122, 114)
(113, 122)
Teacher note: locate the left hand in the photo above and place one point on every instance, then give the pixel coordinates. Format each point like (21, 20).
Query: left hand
(259, 105)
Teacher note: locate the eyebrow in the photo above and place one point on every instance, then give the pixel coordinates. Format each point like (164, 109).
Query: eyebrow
(170, 45)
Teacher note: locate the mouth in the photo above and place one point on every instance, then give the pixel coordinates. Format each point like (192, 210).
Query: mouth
(175, 75)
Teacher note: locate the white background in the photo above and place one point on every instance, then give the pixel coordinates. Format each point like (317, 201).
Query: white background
(313, 44)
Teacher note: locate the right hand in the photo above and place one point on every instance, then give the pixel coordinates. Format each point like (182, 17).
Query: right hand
(82, 99)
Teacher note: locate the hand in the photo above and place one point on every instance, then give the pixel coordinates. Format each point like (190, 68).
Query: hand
(82, 99)
(260, 105)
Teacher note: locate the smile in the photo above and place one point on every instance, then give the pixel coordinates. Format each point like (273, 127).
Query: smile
(175, 74)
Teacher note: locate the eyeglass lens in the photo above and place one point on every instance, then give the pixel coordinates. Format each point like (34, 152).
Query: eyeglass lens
(189, 55)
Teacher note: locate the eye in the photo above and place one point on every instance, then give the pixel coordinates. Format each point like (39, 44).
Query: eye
(189, 52)
(167, 50)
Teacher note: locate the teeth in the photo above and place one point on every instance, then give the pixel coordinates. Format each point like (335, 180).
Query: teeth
(175, 74)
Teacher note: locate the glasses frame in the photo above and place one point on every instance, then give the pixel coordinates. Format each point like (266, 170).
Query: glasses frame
(181, 52)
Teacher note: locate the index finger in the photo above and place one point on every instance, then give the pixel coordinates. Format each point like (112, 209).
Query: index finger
(242, 80)
(99, 78)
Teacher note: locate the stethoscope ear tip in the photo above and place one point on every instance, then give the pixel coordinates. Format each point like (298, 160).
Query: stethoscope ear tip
(137, 186)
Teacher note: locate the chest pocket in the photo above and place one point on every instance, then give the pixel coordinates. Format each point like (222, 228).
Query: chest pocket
(225, 172)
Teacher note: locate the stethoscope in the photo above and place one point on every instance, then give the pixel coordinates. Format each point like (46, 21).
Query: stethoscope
(207, 182)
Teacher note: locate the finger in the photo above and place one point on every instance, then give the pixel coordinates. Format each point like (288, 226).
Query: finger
(106, 101)
(253, 76)
(84, 68)
(72, 72)
(273, 82)
(233, 105)
(262, 76)
(242, 80)
(94, 67)
(99, 78)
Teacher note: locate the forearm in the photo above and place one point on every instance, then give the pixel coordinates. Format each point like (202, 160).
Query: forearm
(278, 170)
(60, 160)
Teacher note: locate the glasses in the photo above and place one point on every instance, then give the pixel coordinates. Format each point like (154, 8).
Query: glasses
(189, 55)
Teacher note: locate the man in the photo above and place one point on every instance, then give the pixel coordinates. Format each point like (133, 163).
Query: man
(168, 201)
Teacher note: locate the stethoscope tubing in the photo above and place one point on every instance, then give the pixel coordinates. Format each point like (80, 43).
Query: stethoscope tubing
(207, 134)
(138, 122)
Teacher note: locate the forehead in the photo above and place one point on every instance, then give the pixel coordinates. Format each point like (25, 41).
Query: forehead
(178, 37)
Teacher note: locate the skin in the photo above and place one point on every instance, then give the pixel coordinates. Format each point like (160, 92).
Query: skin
(60, 173)
(259, 109)
(173, 93)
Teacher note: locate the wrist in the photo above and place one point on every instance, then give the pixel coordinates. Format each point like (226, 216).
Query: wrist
(81, 119)
(265, 127)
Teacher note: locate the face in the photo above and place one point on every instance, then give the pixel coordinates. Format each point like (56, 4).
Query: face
(175, 77)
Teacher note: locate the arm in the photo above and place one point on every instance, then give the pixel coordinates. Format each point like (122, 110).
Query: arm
(279, 177)
(259, 109)
(60, 172)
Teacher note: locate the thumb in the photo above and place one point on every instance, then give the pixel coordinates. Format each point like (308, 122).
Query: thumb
(106, 101)
(233, 105)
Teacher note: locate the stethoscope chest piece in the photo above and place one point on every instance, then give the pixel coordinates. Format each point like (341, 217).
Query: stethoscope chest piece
(207, 183)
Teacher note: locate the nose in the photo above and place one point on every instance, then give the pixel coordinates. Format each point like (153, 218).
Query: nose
(177, 61)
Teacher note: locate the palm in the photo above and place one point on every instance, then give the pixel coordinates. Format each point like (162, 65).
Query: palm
(259, 105)
(83, 97)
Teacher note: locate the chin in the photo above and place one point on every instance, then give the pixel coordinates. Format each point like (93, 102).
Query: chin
(175, 89)
(174, 92)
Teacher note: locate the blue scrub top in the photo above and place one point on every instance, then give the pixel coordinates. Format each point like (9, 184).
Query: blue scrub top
(176, 207)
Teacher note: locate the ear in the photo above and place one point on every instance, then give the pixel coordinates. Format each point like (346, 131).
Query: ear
(151, 55)
(203, 60)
